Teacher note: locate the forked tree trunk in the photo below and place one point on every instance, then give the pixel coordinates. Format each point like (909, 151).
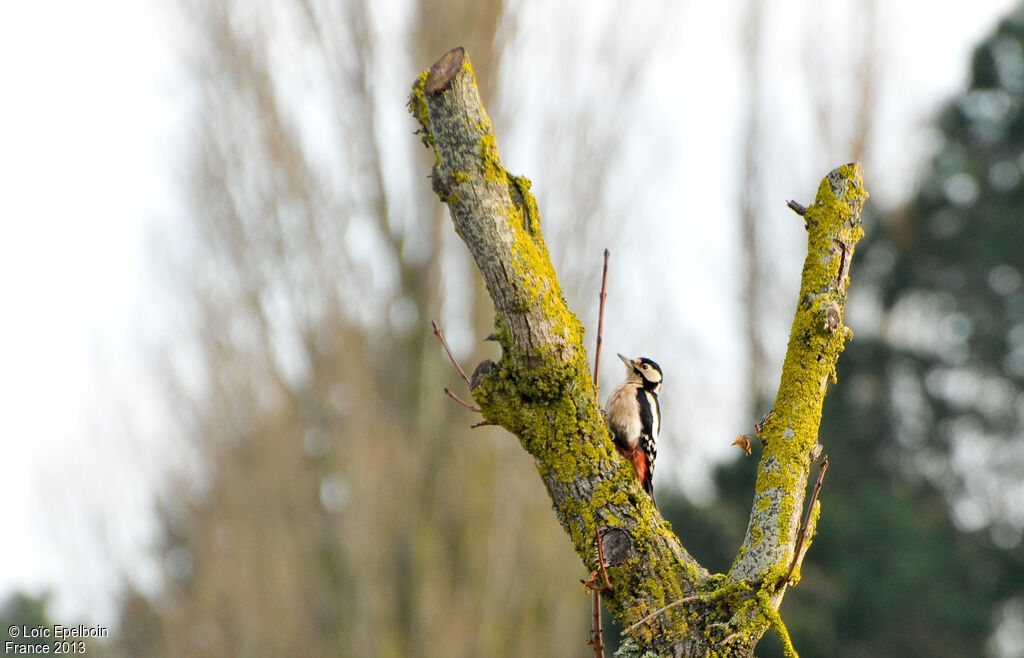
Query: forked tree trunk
(541, 391)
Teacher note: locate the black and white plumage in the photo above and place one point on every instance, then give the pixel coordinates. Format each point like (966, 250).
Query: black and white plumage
(634, 417)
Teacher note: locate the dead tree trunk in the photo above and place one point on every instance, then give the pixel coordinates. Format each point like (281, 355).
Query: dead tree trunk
(541, 391)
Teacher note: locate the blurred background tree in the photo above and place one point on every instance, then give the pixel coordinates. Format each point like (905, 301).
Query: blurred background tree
(919, 550)
(342, 505)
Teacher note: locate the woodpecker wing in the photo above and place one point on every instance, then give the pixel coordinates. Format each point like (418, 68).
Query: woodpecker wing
(650, 414)
(650, 424)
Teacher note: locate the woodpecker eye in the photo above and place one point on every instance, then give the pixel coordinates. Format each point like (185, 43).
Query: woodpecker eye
(645, 366)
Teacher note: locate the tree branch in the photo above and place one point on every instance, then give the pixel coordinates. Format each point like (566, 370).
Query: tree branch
(541, 391)
(816, 340)
(494, 212)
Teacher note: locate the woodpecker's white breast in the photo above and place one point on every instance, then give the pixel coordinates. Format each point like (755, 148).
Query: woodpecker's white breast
(623, 414)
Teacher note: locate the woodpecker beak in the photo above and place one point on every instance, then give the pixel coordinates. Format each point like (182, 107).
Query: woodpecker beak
(630, 363)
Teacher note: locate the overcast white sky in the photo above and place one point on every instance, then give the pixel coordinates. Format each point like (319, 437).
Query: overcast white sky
(91, 123)
(88, 120)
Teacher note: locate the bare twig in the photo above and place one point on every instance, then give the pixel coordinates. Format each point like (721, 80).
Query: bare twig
(685, 599)
(600, 558)
(596, 633)
(448, 392)
(797, 207)
(482, 423)
(444, 343)
(462, 373)
(759, 425)
(600, 317)
(807, 519)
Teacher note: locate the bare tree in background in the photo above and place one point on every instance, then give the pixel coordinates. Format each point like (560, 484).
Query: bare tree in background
(341, 504)
(584, 143)
(340, 507)
(751, 199)
(858, 93)
(840, 78)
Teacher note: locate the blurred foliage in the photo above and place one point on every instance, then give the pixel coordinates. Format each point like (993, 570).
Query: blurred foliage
(918, 551)
(24, 611)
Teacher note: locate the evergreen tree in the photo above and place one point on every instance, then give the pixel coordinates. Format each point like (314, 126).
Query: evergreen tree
(919, 545)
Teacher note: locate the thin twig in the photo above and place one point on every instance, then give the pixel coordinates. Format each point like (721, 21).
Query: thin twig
(807, 519)
(600, 317)
(444, 343)
(759, 425)
(797, 207)
(448, 392)
(685, 599)
(482, 423)
(596, 637)
(597, 634)
(600, 558)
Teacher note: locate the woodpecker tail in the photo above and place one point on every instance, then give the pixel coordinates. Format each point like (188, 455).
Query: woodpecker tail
(644, 472)
(649, 488)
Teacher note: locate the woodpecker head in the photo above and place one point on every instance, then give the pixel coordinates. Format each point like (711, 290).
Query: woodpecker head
(643, 370)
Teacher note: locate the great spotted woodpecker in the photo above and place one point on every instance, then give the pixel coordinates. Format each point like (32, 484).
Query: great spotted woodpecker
(634, 417)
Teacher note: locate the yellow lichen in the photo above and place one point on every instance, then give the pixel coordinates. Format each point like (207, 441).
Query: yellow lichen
(492, 169)
(418, 109)
(775, 621)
